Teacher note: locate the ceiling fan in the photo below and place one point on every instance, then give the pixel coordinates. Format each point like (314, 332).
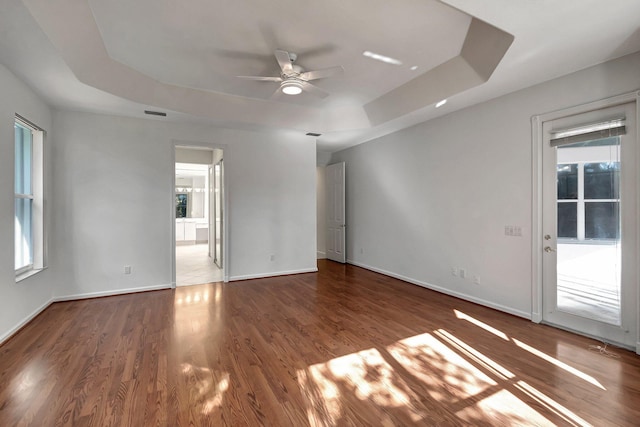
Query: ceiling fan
(293, 79)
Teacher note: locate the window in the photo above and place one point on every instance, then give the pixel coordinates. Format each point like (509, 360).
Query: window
(588, 191)
(181, 205)
(28, 189)
(602, 200)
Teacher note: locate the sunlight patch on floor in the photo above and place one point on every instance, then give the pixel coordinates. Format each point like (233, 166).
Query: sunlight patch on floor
(445, 374)
(552, 405)
(503, 408)
(559, 364)
(520, 344)
(209, 387)
(484, 361)
(467, 384)
(364, 375)
(494, 331)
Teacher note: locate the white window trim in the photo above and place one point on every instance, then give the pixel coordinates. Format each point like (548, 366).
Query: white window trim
(38, 212)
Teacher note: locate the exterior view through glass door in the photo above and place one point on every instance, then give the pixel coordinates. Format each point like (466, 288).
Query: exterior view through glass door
(589, 242)
(589, 224)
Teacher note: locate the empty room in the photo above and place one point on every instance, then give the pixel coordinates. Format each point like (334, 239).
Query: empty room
(319, 213)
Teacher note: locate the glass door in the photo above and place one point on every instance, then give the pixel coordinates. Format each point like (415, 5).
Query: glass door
(589, 224)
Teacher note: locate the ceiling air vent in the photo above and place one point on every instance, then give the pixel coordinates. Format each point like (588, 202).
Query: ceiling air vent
(313, 134)
(155, 113)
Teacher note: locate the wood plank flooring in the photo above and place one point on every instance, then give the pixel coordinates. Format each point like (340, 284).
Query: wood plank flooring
(344, 346)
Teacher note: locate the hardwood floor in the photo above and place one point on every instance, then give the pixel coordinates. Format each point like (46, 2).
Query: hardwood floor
(344, 346)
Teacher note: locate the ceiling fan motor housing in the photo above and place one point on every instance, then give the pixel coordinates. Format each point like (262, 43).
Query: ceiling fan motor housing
(296, 71)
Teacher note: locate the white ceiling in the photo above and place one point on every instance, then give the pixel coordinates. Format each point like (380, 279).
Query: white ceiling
(186, 170)
(193, 44)
(121, 57)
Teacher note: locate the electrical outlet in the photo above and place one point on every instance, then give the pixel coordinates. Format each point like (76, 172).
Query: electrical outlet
(361, 251)
(273, 257)
(454, 271)
(127, 269)
(476, 280)
(463, 273)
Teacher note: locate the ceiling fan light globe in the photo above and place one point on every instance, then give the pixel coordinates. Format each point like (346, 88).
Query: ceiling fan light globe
(291, 88)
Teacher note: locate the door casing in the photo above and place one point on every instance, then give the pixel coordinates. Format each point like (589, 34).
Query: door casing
(225, 204)
(538, 139)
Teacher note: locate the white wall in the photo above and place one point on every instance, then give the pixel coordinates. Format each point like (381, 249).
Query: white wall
(438, 195)
(272, 193)
(114, 201)
(18, 301)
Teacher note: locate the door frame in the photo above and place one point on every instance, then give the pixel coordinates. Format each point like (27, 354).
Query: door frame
(222, 214)
(537, 198)
(225, 203)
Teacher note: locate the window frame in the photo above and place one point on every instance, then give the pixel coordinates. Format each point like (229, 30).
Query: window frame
(36, 195)
(581, 203)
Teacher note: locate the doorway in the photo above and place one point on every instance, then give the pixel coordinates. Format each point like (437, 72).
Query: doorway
(336, 221)
(589, 222)
(194, 213)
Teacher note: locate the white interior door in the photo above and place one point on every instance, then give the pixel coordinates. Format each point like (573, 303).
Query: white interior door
(336, 227)
(590, 223)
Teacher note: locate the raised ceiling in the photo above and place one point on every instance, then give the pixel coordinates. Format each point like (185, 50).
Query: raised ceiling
(121, 57)
(195, 45)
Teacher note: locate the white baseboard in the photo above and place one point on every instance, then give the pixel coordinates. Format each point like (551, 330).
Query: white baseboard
(446, 291)
(279, 273)
(638, 348)
(24, 321)
(110, 293)
(321, 255)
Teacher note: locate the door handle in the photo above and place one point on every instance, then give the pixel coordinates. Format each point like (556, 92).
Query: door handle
(549, 249)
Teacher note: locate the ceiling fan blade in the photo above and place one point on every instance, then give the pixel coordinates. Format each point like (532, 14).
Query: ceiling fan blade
(261, 79)
(276, 95)
(285, 62)
(321, 74)
(315, 90)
